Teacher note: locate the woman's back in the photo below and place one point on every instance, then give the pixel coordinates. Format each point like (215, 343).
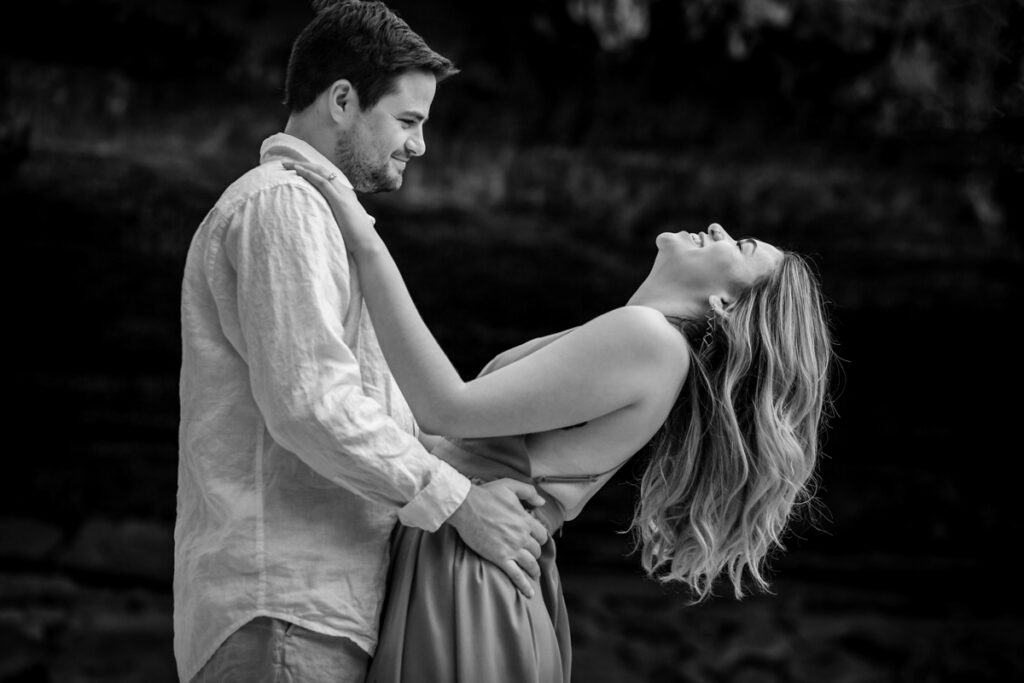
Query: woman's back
(452, 616)
(571, 463)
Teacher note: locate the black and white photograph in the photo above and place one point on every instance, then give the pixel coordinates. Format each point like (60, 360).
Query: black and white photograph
(550, 341)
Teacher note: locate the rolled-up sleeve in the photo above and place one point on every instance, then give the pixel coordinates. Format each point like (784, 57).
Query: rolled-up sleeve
(293, 287)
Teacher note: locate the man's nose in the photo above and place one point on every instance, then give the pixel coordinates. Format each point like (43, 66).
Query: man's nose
(416, 144)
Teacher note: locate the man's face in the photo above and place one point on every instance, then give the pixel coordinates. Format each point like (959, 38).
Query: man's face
(373, 152)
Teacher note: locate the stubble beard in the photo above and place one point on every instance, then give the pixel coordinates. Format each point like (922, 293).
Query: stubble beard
(365, 175)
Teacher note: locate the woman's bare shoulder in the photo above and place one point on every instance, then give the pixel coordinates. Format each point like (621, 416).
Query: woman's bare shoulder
(620, 359)
(644, 329)
(643, 336)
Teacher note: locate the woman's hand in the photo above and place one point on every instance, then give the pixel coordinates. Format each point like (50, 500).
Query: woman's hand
(356, 225)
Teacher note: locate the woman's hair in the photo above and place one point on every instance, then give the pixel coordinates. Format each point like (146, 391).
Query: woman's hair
(738, 451)
(364, 42)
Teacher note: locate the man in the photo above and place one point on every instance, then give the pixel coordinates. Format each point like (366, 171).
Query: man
(297, 451)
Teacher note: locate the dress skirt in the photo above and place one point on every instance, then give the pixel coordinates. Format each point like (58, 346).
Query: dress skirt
(452, 617)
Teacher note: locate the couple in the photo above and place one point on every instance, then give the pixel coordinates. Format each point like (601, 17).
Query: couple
(322, 536)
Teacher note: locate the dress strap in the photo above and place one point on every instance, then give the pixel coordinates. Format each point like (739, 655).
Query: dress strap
(675, 319)
(677, 322)
(573, 478)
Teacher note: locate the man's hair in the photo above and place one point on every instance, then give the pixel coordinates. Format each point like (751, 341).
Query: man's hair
(364, 42)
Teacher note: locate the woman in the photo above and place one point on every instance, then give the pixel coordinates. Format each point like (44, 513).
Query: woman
(721, 357)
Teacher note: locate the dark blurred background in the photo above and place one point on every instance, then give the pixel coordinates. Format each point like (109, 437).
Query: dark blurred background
(883, 138)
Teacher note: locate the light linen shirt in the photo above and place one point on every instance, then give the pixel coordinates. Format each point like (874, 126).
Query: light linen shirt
(297, 453)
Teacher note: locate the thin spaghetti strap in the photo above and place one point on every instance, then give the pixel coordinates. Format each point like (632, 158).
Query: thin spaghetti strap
(676, 321)
(573, 478)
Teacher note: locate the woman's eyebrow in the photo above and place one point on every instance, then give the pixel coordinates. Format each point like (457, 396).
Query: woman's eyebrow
(751, 240)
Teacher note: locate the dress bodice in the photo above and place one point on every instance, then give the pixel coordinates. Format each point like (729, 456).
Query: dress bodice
(489, 458)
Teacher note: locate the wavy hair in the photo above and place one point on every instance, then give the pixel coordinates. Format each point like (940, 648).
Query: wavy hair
(739, 449)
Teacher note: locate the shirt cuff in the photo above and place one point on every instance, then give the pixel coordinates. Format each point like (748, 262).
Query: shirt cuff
(436, 502)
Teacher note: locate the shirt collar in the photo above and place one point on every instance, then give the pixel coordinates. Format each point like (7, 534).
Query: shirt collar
(285, 146)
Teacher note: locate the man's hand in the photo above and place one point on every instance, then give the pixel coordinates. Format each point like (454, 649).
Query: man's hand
(493, 522)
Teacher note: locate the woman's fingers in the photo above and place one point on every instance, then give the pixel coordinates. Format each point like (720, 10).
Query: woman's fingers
(308, 174)
(318, 175)
(315, 176)
(313, 169)
(339, 195)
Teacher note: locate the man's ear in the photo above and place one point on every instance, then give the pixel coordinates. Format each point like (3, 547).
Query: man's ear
(342, 100)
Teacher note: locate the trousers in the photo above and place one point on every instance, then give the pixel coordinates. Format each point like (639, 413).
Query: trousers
(268, 650)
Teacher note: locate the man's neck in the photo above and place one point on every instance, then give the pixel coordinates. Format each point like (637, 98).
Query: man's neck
(300, 127)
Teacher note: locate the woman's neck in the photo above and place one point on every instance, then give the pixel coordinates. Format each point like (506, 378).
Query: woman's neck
(670, 302)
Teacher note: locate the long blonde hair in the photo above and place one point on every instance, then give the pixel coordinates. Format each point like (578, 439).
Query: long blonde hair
(738, 451)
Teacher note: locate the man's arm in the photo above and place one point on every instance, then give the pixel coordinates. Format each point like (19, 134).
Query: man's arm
(292, 291)
(293, 282)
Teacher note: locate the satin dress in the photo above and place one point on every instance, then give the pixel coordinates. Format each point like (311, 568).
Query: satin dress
(451, 616)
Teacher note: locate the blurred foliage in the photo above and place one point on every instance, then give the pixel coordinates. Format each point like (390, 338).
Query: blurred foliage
(887, 66)
(617, 23)
(920, 62)
(588, 70)
(828, 122)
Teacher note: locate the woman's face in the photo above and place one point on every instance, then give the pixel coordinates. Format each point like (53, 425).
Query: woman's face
(713, 263)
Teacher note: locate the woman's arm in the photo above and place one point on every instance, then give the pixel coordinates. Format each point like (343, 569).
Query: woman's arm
(611, 363)
(429, 441)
